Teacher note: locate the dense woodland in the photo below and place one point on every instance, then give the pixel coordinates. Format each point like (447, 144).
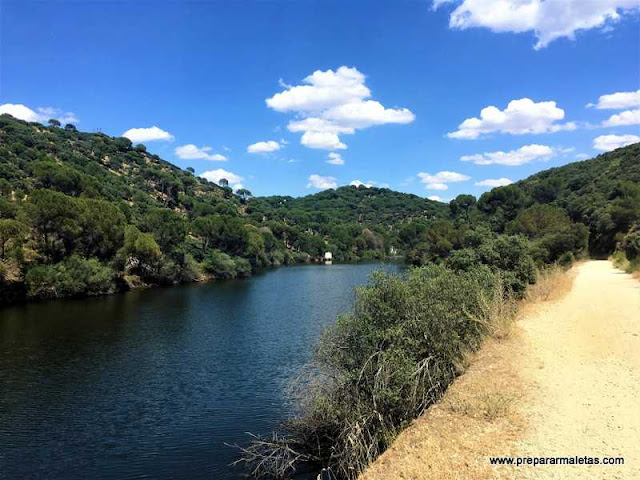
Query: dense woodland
(87, 214)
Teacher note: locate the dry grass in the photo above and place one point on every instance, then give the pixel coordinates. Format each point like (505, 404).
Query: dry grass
(553, 283)
(475, 419)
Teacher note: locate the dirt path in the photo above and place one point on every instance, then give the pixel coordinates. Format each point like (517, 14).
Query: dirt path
(567, 383)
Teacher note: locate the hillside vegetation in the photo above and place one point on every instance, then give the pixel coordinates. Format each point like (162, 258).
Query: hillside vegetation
(86, 214)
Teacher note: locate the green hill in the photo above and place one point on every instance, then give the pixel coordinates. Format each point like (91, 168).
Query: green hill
(602, 193)
(85, 213)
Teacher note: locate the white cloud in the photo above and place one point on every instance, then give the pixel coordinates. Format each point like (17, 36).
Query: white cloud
(216, 175)
(21, 112)
(318, 181)
(322, 141)
(237, 186)
(439, 180)
(264, 147)
(191, 152)
(150, 134)
(606, 143)
(367, 114)
(617, 101)
(548, 19)
(512, 158)
(322, 90)
(494, 182)
(520, 117)
(42, 114)
(628, 117)
(582, 156)
(63, 117)
(359, 183)
(436, 186)
(330, 103)
(436, 198)
(335, 159)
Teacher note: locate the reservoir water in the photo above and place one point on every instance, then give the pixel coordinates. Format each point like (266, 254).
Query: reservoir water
(152, 384)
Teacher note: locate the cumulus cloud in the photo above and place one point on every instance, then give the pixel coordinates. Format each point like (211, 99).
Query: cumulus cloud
(40, 114)
(520, 117)
(216, 175)
(549, 20)
(617, 101)
(628, 117)
(582, 156)
(150, 134)
(359, 183)
(436, 198)
(264, 147)
(322, 140)
(512, 158)
(192, 152)
(494, 182)
(606, 143)
(440, 180)
(318, 181)
(335, 159)
(331, 103)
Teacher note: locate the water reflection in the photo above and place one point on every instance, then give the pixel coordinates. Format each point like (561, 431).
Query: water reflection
(151, 384)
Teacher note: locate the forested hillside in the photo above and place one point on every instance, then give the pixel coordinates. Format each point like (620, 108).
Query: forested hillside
(562, 213)
(85, 213)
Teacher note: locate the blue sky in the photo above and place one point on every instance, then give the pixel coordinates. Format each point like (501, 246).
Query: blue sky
(411, 75)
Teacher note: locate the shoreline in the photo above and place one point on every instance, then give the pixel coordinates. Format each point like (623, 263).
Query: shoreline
(123, 286)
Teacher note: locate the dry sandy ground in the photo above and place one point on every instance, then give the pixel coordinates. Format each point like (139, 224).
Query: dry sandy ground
(565, 383)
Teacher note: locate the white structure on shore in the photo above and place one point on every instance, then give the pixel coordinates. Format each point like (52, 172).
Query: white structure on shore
(328, 258)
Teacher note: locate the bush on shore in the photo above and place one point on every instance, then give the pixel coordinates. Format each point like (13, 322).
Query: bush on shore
(73, 277)
(220, 265)
(381, 366)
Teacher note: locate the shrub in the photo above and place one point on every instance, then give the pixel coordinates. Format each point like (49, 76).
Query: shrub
(508, 255)
(74, 277)
(381, 366)
(632, 245)
(243, 267)
(219, 264)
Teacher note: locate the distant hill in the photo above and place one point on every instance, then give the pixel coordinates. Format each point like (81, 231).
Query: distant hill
(77, 205)
(371, 206)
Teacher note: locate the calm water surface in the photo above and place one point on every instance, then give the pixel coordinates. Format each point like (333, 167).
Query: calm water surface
(151, 384)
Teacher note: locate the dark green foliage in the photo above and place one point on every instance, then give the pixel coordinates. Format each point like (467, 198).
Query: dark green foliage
(220, 265)
(462, 207)
(602, 193)
(102, 226)
(357, 222)
(167, 227)
(73, 277)
(631, 246)
(508, 255)
(12, 235)
(55, 218)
